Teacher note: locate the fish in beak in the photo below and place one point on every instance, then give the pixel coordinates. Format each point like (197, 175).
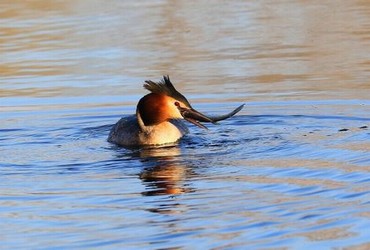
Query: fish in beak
(195, 117)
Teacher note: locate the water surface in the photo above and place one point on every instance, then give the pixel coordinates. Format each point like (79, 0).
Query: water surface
(291, 170)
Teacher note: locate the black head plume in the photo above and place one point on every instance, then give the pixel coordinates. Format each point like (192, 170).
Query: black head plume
(166, 87)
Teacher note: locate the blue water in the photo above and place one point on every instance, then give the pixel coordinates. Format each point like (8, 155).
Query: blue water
(290, 171)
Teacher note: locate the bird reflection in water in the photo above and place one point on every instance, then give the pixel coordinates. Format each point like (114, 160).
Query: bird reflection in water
(168, 175)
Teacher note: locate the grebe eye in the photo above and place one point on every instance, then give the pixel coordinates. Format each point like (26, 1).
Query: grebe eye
(177, 104)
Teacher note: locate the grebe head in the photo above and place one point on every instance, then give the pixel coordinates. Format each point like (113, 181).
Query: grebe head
(165, 103)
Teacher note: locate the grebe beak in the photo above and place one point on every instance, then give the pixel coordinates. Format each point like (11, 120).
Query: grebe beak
(195, 117)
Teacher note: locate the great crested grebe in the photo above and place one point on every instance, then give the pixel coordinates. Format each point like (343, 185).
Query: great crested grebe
(158, 119)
